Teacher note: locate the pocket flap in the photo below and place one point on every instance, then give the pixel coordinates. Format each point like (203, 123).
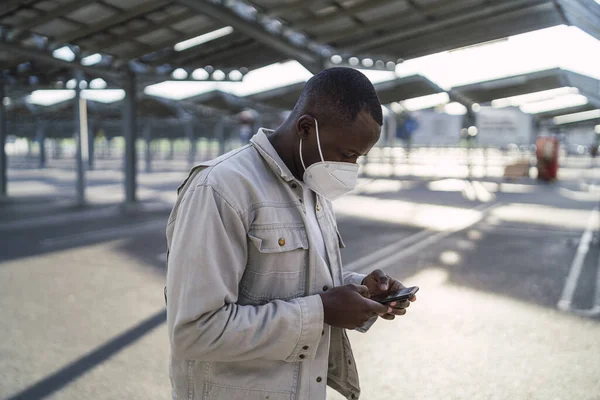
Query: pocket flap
(277, 240)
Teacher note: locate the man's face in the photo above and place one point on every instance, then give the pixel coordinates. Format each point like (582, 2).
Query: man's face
(344, 143)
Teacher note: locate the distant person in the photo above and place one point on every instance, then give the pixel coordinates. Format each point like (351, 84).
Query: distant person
(245, 133)
(257, 301)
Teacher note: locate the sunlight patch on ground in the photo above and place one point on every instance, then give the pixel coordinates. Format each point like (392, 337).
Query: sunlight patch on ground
(427, 216)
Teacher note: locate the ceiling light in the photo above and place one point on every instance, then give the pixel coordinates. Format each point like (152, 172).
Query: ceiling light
(558, 103)
(597, 129)
(91, 60)
(519, 100)
(424, 102)
(104, 96)
(397, 107)
(367, 62)
(380, 64)
(455, 108)
(200, 74)
(207, 37)
(98, 83)
(390, 65)
(50, 97)
(476, 107)
(218, 75)
(575, 117)
(235, 75)
(336, 59)
(71, 84)
(353, 61)
(472, 131)
(64, 53)
(179, 73)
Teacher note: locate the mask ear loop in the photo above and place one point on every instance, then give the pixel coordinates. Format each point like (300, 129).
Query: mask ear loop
(319, 143)
(301, 158)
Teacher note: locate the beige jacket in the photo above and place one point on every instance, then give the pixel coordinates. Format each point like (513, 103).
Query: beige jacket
(244, 317)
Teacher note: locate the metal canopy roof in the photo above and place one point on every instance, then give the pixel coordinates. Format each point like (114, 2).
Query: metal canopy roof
(227, 102)
(264, 31)
(283, 97)
(394, 90)
(406, 88)
(485, 92)
(564, 111)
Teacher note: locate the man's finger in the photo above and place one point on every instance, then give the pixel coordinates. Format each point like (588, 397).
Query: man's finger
(363, 290)
(380, 309)
(381, 278)
(402, 304)
(395, 285)
(389, 317)
(399, 311)
(414, 298)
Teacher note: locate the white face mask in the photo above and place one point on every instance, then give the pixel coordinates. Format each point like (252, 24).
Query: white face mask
(330, 179)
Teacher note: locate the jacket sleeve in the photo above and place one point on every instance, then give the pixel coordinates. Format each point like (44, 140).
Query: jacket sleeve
(353, 277)
(207, 258)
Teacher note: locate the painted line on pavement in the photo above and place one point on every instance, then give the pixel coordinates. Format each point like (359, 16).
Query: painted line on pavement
(566, 298)
(103, 234)
(387, 251)
(469, 191)
(484, 195)
(398, 253)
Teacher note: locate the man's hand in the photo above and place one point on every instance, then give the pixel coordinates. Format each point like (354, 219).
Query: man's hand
(378, 282)
(348, 306)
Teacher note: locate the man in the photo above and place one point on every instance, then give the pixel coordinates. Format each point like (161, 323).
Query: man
(257, 302)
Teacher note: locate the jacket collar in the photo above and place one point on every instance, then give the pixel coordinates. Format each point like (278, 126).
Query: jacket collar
(261, 143)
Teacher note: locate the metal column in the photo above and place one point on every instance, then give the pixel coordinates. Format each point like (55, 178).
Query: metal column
(220, 134)
(130, 134)
(41, 138)
(3, 178)
(91, 138)
(171, 148)
(148, 137)
(80, 125)
(189, 133)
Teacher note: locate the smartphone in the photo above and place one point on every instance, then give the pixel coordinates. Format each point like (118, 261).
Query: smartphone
(400, 295)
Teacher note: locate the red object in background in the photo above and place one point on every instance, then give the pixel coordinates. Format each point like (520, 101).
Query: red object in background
(547, 157)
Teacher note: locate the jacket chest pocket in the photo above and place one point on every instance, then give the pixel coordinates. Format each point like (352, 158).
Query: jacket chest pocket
(277, 264)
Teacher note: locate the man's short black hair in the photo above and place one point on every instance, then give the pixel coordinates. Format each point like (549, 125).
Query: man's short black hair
(341, 94)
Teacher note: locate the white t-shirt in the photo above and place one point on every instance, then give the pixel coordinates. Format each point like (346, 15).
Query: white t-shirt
(314, 230)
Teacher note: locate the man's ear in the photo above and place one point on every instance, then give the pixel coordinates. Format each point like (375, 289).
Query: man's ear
(305, 126)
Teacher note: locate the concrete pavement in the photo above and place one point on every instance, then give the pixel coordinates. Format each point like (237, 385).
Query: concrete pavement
(82, 312)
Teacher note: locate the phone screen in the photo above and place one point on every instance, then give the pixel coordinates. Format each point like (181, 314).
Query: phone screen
(387, 297)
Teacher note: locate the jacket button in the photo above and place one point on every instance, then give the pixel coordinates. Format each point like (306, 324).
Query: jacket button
(294, 186)
(318, 207)
(282, 242)
(302, 356)
(322, 332)
(319, 379)
(305, 348)
(325, 288)
(353, 396)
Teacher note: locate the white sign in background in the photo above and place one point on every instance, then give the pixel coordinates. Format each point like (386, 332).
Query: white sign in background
(436, 129)
(503, 126)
